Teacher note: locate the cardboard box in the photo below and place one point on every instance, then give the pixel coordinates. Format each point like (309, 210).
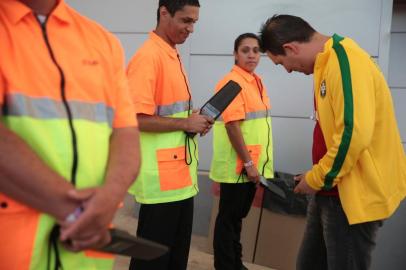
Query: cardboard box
(279, 240)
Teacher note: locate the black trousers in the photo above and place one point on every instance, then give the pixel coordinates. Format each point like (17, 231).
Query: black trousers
(169, 224)
(235, 203)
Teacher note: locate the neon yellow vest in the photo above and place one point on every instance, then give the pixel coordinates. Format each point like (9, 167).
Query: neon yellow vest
(43, 125)
(226, 166)
(164, 175)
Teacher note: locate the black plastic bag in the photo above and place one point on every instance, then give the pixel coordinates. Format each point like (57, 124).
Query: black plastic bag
(280, 198)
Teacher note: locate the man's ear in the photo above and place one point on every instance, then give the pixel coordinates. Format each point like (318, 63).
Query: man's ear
(163, 11)
(291, 48)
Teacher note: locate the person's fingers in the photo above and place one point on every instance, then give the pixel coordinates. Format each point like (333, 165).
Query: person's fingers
(297, 189)
(68, 245)
(254, 178)
(85, 221)
(81, 195)
(95, 241)
(209, 120)
(205, 131)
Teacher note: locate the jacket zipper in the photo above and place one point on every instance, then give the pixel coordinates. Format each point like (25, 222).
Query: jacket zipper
(65, 103)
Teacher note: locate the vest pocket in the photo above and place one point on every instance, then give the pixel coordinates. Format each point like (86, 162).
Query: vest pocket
(98, 255)
(254, 151)
(10, 206)
(173, 170)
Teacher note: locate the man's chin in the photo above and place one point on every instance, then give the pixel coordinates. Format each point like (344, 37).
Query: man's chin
(307, 72)
(181, 41)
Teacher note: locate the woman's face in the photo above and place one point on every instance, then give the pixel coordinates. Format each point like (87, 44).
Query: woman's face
(248, 54)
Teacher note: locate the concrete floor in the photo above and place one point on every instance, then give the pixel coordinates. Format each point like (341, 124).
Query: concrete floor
(199, 258)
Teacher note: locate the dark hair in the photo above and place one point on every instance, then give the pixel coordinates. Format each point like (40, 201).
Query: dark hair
(174, 5)
(241, 37)
(281, 29)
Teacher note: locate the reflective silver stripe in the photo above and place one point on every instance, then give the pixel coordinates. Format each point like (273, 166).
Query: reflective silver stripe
(251, 115)
(173, 108)
(256, 115)
(46, 108)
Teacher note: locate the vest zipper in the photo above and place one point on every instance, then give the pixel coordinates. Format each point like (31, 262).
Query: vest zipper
(53, 239)
(65, 103)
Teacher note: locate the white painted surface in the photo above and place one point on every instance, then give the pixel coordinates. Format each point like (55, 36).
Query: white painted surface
(397, 67)
(120, 15)
(385, 36)
(221, 21)
(131, 42)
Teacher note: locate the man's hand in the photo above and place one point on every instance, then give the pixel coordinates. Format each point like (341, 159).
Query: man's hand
(96, 241)
(90, 229)
(303, 187)
(252, 173)
(197, 123)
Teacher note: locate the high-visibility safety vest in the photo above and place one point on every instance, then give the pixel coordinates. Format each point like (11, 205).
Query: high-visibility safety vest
(252, 107)
(160, 87)
(62, 90)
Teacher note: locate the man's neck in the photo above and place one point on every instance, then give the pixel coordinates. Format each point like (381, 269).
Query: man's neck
(319, 41)
(161, 33)
(41, 7)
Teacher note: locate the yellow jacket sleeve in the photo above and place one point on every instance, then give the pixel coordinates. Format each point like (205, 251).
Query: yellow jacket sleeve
(352, 102)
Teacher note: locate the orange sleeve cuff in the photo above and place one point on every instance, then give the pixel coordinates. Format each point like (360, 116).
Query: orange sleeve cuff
(129, 122)
(144, 108)
(234, 117)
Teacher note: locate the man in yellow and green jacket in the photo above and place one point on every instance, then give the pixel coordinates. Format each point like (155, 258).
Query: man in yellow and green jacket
(364, 161)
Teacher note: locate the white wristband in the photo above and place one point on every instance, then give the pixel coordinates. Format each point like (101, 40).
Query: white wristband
(248, 164)
(72, 217)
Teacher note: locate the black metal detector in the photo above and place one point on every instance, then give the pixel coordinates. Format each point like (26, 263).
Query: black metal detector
(215, 106)
(125, 244)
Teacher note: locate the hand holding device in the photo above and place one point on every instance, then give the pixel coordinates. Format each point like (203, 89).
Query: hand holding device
(219, 102)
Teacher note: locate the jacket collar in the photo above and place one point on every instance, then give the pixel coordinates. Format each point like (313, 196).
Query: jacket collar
(172, 52)
(322, 57)
(17, 11)
(247, 76)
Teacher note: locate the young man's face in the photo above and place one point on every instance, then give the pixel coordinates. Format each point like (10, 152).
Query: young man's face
(181, 24)
(293, 60)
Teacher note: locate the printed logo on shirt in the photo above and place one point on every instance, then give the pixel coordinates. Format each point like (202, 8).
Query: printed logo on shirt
(90, 62)
(323, 89)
